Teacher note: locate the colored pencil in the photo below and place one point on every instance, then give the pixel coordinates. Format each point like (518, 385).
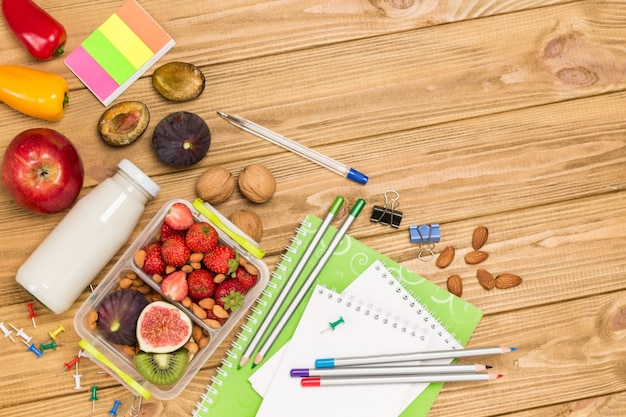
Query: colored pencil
(412, 356)
(308, 283)
(388, 370)
(398, 379)
(290, 280)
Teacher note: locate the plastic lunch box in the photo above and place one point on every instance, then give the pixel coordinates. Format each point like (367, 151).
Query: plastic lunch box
(112, 358)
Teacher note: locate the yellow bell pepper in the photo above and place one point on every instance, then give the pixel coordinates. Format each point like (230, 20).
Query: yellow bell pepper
(36, 93)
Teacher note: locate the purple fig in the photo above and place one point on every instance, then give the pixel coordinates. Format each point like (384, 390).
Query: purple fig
(181, 139)
(118, 314)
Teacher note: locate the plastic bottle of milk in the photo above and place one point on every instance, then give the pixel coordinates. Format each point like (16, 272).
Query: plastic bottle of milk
(87, 238)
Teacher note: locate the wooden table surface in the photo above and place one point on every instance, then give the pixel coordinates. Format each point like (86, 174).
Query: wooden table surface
(508, 114)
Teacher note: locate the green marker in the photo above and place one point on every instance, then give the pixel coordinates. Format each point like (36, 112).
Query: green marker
(308, 283)
(291, 279)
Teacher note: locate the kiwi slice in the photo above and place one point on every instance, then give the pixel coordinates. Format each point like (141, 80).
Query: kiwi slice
(162, 368)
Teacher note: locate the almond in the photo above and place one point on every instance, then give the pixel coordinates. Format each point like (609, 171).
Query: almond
(504, 281)
(485, 279)
(251, 269)
(212, 323)
(476, 257)
(445, 257)
(198, 311)
(219, 312)
(479, 237)
(140, 258)
(207, 303)
(455, 285)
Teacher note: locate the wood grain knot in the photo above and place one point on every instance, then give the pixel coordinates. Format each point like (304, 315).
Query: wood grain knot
(555, 47)
(577, 76)
(400, 4)
(617, 321)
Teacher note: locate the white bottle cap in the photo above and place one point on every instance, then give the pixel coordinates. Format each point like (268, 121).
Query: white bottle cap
(139, 177)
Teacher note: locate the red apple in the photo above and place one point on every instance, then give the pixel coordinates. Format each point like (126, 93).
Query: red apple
(42, 171)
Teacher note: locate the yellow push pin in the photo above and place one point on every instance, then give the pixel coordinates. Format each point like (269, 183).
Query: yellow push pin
(53, 334)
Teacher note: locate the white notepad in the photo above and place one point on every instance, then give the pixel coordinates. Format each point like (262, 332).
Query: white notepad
(367, 329)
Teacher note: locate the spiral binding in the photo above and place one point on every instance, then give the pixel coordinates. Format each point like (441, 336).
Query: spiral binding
(237, 347)
(404, 326)
(422, 312)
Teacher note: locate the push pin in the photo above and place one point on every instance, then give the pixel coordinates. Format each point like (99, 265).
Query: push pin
(31, 314)
(21, 333)
(426, 235)
(45, 346)
(116, 405)
(33, 348)
(68, 366)
(93, 399)
(77, 377)
(387, 214)
(333, 324)
(53, 334)
(7, 332)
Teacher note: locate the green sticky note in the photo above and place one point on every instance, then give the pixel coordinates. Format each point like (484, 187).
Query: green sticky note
(109, 57)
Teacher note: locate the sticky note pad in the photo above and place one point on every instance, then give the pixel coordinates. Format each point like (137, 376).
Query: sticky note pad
(119, 51)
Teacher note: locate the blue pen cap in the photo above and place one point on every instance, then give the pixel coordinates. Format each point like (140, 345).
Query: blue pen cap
(357, 176)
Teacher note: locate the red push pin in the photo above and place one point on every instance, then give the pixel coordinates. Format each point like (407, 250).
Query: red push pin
(68, 366)
(31, 314)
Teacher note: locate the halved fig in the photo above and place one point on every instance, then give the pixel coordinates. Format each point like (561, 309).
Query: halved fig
(162, 328)
(123, 123)
(178, 81)
(181, 139)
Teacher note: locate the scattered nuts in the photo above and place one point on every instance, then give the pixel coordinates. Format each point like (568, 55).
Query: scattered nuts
(212, 323)
(219, 278)
(186, 302)
(479, 237)
(207, 303)
(203, 342)
(504, 281)
(215, 185)
(196, 257)
(476, 257)
(257, 183)
(198, 311)
(485, 279)
(197, 333)
(455, 285)
(219, 312)
(445, 257)
(250, 269)
(140, 258)
(125, 282)
(92, 320)
(249, 222)
(192, 347)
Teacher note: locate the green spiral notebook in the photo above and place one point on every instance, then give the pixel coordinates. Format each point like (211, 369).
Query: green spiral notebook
(231, 394)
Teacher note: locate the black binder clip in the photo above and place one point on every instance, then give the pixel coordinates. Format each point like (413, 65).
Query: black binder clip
(426, 235)
(388, 215)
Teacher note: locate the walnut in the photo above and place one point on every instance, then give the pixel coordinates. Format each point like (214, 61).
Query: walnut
(249, 222)
(257, 183)
(215, 185)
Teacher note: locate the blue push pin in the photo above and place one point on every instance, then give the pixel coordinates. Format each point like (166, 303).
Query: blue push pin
(113, 411)
(33, 348)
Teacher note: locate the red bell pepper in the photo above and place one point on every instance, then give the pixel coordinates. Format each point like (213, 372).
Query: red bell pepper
(41, 34)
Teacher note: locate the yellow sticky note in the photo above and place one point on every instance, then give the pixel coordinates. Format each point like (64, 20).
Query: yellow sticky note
(126, 41)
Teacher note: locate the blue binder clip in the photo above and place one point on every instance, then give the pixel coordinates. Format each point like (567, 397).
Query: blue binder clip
(426, 235)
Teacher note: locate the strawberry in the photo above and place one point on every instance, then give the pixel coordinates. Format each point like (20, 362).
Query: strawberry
(167, 231)
(201, 285)
(174, 286)
(201, 237)
(229, 294)
(154, 263)
(247, 279)
(175, 252)
(221, 260)
(179, 217)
